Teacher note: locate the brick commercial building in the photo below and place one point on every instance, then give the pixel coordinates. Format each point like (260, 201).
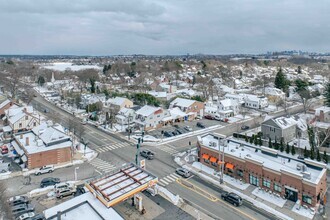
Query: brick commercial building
(44, 145)
(265, 168)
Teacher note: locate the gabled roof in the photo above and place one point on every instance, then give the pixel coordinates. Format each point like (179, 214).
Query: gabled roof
(284, 122)
(4, 103)
(51, 134)
(147, 110)
(226, 102)
(182, 102)
(118, 101)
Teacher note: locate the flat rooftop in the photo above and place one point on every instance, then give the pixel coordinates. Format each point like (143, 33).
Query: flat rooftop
(265, 157)
(121, 184)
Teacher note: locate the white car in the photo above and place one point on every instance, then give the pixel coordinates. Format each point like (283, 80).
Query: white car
(45, 169)
(26, 216)
(187, 128)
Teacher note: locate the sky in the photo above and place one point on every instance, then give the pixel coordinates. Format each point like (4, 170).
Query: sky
(163, 27)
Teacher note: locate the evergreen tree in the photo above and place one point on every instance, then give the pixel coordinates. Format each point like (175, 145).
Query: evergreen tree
(41, 80)
(293, 150)
(246, 138)
(280, 80)
(299, 69)
(318, 156)
(327, 95)
(287, 149)
(312, 154)
(325, 157)
(306, 153)
(282, 145)
(259, 141)
(255, 141)
(270, 143)
(276, 145)
(92, 82)
(251, 139)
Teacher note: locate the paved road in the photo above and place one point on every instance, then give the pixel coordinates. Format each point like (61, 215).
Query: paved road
(114, 150)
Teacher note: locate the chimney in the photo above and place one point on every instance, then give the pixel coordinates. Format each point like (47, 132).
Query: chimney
(27, 141)
(21, 136)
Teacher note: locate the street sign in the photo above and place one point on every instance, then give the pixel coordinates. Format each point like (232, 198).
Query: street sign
(142, 164)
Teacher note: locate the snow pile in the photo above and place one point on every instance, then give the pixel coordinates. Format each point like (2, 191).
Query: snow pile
(300, 210)
(269, 197)
(5, 175)
(40, 191)
(174, 198)
(178, 161)
(87, 153)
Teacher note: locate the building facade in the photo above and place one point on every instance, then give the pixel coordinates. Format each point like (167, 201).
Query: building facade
(266, 169)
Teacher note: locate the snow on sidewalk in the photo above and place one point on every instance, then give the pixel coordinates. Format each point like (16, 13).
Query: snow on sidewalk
(269, 197)
(230, 180)
(173, 198)
(303, 211)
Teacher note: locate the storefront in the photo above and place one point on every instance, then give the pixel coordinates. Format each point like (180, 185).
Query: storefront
(291, 194)
(254, 180)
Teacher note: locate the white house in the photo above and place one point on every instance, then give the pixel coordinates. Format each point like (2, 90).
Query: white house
(125, 116)
(256, 102)
(239, 98)
(21, 118)
(149, 117)
(227, 108)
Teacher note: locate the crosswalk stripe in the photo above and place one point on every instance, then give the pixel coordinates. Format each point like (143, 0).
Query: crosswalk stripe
(164, 181)
(171, 178)
(160, 183)
(167, 179)
(109, 147)
(176, 175)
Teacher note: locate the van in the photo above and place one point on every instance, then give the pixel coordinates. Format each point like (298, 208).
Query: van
(217, 117)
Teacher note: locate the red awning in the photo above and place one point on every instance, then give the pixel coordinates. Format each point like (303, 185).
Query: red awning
(205, 156)
(229, 166)
(213, 159)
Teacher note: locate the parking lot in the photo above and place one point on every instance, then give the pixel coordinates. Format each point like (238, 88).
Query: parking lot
(179, 128)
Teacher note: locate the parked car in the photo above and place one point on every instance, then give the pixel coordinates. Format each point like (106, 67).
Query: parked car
(178, 131)
(147, 154)
(200, 125)
(232, 198)
(4, 149)
(21, 209)
(60, 193)
(167, 134)
(60, 186)
(26, 216)
(174, 133)
(45, 169)
(245, 127)
(217, 117)
(38, 217)
(183, 172)
(176, 126)
(187, 128)
(210, 117)
(18, 200)
(50, 181)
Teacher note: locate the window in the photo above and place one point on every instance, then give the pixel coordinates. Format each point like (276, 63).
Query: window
(214, 164)
(277, 187)
(307, 199)
(206, 161)
(240, 173)
(20, 125)
(254, 180)
(158, 116)
(26, 117)
(266, 183)
(34, 124)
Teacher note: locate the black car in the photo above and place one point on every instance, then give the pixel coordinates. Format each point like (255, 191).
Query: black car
(174, 133)
(178, 131)
(245, 127)
(167, 134)
(176, 126)
(232, 198)
(50, 181)
(200, 125)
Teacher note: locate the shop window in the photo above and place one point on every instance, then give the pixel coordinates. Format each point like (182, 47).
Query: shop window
(240, 173)
(277, 187)
(254, 180)
(206, 161)
(307, 199)
(266, 183)
(214, 164)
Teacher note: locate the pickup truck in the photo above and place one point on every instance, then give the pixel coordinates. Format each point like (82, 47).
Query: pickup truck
(147, 154)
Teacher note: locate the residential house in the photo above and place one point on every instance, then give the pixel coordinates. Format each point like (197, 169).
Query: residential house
(88, 99)
(265, 168)
(239, 98)
(125, 116)
(150, 117)
(191, 107)
(256, 102)
(21, 118)
(322, 114)
(274, 94)
(279, 128)
(227, 108)
(4, 105)
(116, 104)
(44, 145)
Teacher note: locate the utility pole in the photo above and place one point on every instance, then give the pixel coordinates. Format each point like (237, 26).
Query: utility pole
(129, 128)
(222, 157)
(140, 141)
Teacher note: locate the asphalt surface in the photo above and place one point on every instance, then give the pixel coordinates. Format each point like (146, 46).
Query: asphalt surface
(162, 166)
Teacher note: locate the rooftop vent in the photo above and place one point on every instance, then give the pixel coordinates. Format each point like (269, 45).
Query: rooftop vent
(248, 155)
(232, 150)
(306, 175)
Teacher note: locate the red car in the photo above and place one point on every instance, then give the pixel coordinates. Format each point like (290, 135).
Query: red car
(210, 117)
(4, 149)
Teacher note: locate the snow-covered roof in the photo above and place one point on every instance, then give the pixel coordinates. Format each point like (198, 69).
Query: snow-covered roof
(284, 122)
(7, 129)
(4, 103)
(226, 102)
(325, 109)
(83, 207)
(158, 94)
(182, 102)
(117, 101)
(177, 113)
(147, 110)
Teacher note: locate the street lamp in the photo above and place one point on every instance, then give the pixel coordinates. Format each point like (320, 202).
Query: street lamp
(75, 173)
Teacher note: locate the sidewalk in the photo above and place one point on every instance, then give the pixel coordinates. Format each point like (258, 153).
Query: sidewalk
(269, 203)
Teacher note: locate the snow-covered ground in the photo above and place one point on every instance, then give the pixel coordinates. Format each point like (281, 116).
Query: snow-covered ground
(173, 198)
(227, 179)
(87, 153)
(60, 66)
(269, 197)
(303, 211)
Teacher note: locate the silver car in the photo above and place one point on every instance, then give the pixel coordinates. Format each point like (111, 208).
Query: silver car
(183, 172)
